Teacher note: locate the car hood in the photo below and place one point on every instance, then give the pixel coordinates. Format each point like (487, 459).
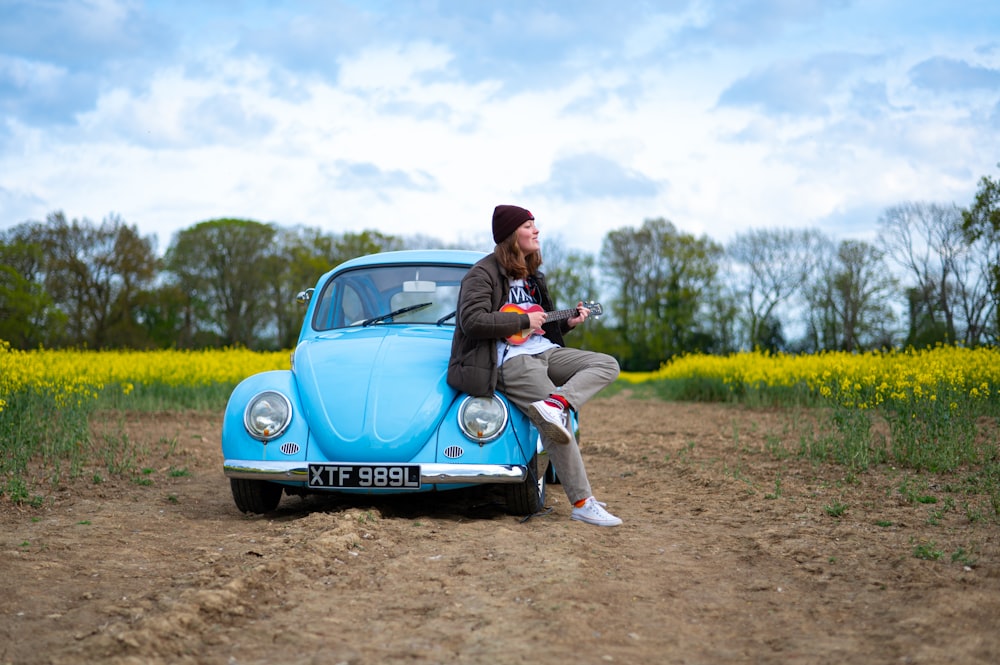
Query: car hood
(374, 394)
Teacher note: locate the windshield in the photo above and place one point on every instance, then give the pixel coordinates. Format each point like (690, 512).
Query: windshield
(369, 295)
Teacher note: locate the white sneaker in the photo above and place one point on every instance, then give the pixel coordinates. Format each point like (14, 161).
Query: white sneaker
(551, 422)
(592, 512)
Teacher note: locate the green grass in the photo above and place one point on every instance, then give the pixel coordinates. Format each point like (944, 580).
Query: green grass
(152, 398)
(937, 435)
(46, 442)
(928, 551)
(836, 509)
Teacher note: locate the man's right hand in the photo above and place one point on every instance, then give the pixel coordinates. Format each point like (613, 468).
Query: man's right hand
(537, 319)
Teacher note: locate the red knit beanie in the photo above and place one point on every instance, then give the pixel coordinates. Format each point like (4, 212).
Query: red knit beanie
(506, 219)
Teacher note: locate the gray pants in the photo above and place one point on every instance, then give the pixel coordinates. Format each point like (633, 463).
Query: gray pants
(577, 376)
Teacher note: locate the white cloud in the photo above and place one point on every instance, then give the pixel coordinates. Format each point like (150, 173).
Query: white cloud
(786, 122)
(23, 74)
(393, 69)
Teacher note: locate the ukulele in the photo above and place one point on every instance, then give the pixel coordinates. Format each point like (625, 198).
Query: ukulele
(558, 315)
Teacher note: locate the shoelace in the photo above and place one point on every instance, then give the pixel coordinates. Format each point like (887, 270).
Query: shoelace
(595, 508)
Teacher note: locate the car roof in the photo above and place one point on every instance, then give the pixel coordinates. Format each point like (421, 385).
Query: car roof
(453, 256)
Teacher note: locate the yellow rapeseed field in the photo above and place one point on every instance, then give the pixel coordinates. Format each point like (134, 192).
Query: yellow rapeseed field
(931, 399)
(71, 376)
(865, 380)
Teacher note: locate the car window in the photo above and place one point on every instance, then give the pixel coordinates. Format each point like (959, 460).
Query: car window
(354, 296)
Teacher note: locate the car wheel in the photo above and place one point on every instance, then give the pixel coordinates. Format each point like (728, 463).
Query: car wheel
(528, 496)
(255, 496)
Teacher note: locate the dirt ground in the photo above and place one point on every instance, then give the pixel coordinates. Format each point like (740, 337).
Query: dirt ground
(730, 553)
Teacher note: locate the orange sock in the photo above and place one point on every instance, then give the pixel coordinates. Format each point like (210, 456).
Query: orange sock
(579, 504)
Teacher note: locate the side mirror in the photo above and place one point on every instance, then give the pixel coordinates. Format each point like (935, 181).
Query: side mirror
(304, 297)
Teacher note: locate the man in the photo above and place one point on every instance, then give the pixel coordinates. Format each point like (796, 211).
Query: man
(538, 374)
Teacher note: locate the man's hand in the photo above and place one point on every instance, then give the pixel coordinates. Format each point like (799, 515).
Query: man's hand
(582, 315)
(537, 319)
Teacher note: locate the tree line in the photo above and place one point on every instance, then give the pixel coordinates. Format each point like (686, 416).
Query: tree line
(931, 276)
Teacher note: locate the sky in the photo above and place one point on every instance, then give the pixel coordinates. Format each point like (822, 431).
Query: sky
(419, 117)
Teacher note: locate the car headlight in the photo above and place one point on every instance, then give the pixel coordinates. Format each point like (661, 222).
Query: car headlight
(482, 419)
(267, 415)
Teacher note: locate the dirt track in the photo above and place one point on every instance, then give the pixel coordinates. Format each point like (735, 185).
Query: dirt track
(728, 554)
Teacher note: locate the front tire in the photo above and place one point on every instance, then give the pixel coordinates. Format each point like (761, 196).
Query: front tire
(255, 496)
(528, 496)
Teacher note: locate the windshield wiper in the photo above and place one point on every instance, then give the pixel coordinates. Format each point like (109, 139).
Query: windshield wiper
(446, 317)
(385, 317)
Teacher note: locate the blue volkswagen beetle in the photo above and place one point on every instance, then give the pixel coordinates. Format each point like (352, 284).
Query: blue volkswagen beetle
(365, 407)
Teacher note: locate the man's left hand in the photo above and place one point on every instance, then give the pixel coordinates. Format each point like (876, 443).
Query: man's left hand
(582, 314)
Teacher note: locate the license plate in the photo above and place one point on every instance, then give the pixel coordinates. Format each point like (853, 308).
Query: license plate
(365, 476)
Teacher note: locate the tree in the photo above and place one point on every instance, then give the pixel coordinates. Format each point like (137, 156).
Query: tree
(302, 256)
(221, 266)
(953, 272)
(572, 278)
(664, 280)
(922, 238)
(570, 274)
(160, 312)
(822, 321)
(130, 269)
(924, 327)
(353, 245)
(92, 274)
(862, 288)
(973, 265)
(775, 264)
(849, 299)
(981, 225)
(28, 317)
(721, 314)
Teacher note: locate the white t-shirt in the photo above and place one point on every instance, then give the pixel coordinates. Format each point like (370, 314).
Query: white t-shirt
(524, 296)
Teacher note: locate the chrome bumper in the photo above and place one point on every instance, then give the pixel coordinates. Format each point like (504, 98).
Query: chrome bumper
(430, 474)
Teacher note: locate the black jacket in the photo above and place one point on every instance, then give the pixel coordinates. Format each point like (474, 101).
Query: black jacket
(479, 324)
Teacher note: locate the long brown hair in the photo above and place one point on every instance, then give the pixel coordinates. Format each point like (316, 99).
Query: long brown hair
(514, 261)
